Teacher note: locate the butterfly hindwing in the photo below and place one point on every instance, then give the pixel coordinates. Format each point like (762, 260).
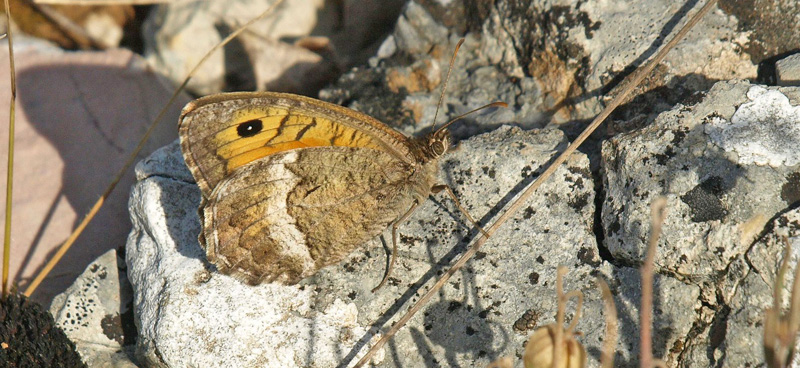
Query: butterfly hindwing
(283, 217)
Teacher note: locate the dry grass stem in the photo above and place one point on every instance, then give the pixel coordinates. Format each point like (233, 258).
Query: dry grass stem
(10, 169)
(657, 212)
(132, 158)
(612, 334)
(780, 332)
(635, 79)
(552, 346)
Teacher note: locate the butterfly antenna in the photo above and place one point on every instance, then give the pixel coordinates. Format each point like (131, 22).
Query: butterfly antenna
(446, 79)
(457, 118)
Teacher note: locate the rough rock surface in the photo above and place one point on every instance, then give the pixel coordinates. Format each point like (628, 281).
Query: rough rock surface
(728, 168)
(787, 70)
(186, 311)
(555, 63)
(178, 35)
(96, 313)
(724, 169)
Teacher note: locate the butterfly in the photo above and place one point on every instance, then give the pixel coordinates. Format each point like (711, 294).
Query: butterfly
(291, 184)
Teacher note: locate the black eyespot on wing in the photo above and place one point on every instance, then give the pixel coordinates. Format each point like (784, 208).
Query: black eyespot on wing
(249, 128)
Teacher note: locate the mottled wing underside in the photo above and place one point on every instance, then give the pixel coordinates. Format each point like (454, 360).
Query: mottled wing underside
(283, 217)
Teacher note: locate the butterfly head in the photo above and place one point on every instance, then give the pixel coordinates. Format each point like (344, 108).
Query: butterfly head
(432, 145)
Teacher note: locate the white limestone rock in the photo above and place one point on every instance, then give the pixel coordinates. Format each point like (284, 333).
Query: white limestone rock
(762, 131)
(188, 313)
(95, 313)
(718, 201)
(787, 70)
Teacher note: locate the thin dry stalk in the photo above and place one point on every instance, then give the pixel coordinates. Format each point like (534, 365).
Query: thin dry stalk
(560, 334)
(10, 172)
(780, 332)
(635, 79)
(657, 212)
(558, 348)
(611, 336)
(132, 158)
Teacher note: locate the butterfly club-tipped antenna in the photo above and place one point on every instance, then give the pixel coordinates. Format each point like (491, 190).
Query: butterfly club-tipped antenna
(446, 80)
(436, 134)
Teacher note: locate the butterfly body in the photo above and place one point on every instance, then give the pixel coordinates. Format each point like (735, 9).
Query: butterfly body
(292, 184)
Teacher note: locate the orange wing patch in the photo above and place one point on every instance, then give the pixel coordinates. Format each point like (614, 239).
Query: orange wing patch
(256, 133)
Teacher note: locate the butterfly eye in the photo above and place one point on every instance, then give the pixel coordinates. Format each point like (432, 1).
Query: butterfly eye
(249, 128)
(438, 148)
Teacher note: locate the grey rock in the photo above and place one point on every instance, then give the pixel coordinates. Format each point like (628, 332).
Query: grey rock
(725, 175)
(187, 312)
(787, 70)
(719, 196)
(95, 313)
(554, 62)
(740, 321)
(178, 35)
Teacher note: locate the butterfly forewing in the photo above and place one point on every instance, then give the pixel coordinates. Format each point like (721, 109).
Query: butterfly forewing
(221, 133)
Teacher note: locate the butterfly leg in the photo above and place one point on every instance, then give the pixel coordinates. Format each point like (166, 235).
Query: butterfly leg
(397, 223)
(438, 188)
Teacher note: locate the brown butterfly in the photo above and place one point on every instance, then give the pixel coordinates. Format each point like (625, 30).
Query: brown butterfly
(291, 184)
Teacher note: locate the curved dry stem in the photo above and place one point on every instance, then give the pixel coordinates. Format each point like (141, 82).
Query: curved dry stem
(657, 210)
(578, 309)
(558, 339)
(132, 158)
(794, 306)
(611, 335)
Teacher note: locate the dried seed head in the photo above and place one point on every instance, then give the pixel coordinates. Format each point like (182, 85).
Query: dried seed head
(539, 350)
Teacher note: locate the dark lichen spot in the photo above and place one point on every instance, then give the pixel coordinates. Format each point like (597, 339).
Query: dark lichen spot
(453, 306)
(679, 135)
(526, 171)
(663, 158)
(480, 255)
(587, 256)
(578, 202)
(790, 191)
(540, 260)
(703, 200)
(489, 171)
(533, 278)
(527, 321)
(352, 295)
(694, 98)
(615, 227)
(470, 331)
(528, 213)
(112, 327)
